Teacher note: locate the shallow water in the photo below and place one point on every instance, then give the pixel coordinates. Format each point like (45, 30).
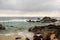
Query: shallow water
(19, 24)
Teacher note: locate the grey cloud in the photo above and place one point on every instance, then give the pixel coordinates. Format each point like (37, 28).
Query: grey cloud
(30, 5)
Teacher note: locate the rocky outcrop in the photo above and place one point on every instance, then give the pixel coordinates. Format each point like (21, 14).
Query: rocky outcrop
(36, 29)
(38, 20)
(40, 29)
(2, 27)
(30, 21)
(44, 20)
(48, 20)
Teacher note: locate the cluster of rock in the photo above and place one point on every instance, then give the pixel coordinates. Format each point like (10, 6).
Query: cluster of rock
(48, 20)
(44, 20)
(41, 29)
(48, 32)
(2, 27)
(38, 20)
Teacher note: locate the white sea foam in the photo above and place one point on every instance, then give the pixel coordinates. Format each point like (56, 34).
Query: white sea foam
(15, 20)
(24, 34)
(9, 34)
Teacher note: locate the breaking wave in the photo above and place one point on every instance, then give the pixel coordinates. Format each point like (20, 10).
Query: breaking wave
(15, 20)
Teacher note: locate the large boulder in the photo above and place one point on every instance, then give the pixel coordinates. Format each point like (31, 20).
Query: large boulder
(36, 29)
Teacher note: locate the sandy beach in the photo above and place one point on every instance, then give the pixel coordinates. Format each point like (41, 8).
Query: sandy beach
(22, 36)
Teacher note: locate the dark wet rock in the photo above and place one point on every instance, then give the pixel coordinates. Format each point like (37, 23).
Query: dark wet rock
(53, 26)
(47, 38)
(30, 21)
(38, 20)
(35, 37)
(2, 27)
(11, 26)
(30, 29)
(48, 20)
(40, 29)
(27, 39)
(36, 29)
(17, 38)
(47, 30)
(44, 20)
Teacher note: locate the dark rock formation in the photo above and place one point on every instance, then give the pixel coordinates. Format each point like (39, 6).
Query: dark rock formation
(48, 20)
(36, 29)
(44, 20)
(47, 38)
(53, 26)
(2, 27)
(11, 26)
(39, 29)
(38, 20)
(35, 37)
(30, 21)
(17, 38)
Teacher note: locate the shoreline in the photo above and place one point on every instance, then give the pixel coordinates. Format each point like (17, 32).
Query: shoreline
(12, 36)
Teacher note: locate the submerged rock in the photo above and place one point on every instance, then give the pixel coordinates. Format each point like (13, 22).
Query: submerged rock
(11, 26)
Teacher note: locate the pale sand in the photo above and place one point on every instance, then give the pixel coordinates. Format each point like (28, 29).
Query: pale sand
(13, 36)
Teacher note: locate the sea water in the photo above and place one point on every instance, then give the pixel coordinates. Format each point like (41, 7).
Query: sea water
(19, 24)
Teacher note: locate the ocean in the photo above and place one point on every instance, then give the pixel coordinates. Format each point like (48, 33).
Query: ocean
(19, 23)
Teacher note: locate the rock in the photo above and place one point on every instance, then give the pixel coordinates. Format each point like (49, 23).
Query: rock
(35, 37)
(48, 20)
(30, 29)
(36, 29)
(41, 29)
(2, 27)
(11, 26)
(53, 26)
(17, 38)
(38, 20)
(30, 21)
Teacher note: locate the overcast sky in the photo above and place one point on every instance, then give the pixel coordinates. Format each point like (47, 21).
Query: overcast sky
(21, 8)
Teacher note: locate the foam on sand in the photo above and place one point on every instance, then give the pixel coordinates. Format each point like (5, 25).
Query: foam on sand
(12, 36)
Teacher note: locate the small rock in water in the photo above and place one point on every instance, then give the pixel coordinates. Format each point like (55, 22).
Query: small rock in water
(2, 27)
(11, 26)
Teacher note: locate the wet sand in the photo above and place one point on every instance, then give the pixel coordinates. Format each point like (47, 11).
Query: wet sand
(13, 37)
